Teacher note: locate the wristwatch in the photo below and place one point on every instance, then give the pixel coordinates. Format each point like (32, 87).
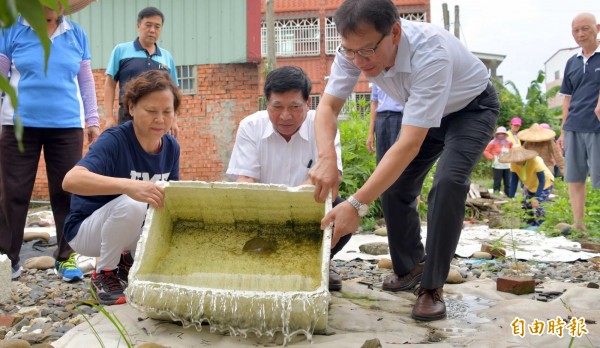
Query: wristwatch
(361, 208)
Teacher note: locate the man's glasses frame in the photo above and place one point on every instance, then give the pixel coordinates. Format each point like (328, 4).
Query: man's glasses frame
(363, 52)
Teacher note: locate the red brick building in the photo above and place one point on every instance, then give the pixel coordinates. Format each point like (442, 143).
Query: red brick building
(222, 94)
(305, 36)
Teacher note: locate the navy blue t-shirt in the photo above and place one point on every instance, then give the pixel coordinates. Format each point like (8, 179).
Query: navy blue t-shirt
(582, 83)
(118, 154)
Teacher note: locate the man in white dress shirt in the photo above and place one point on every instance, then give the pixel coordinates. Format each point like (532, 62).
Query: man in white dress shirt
(450, 111)
(278, 146)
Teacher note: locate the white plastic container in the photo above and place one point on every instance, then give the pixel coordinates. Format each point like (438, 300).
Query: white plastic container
(191, 266)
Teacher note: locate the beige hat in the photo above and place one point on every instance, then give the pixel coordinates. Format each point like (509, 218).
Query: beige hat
(517, 154)
(78, 5)
(536, 133)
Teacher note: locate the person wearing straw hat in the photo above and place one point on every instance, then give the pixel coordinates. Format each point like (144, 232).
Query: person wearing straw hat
(499, 146)
(57, 106)
(580, 130)
(527, 167)
(541, 140)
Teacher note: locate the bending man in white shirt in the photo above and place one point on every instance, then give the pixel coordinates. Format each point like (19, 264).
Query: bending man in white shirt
(450, 113)
(278, 146)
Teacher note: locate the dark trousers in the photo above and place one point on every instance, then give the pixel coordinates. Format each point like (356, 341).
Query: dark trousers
(457, 145)
(387, 127)
(62, 150)
(123, 116)
(501, 175)
(344, 240)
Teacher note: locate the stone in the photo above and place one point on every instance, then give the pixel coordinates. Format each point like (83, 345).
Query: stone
(493, 250)
(150, 345)
(18, 343)
(29, 236)
(514, 285)
(377, 248)
(593, 285)
(372, 343)
(384, 264)
(381, 231)
(5, 278)
(481, 255)
(6, 320)
(32, 312)
(39, 262)
(454, 277)
(591, 246)
(503, 221)
(563, 228)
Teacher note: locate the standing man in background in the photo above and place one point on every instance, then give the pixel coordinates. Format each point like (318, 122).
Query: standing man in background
(130, 59)
(386, 118)
(580, 129)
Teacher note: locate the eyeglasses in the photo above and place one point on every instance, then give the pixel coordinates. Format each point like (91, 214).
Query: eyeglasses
(363, 52)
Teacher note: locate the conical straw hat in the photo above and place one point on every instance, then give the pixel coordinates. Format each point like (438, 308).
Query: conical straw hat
(536, 133)
(78, 5)
(517, 154)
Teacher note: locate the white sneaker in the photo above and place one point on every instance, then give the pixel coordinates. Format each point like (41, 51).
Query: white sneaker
(85, 263)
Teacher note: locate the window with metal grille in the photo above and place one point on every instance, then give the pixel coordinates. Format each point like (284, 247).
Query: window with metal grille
(187, 78)
(314, 101)
(333, 40)
(294, 37)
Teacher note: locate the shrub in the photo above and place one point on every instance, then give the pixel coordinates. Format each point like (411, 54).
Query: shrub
(357, 161)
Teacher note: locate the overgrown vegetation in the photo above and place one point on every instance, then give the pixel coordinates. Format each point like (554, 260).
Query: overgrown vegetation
(559, 210)
(359, 163)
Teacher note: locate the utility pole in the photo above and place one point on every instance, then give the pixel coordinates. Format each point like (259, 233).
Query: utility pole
(446, 16)
(271, 64)
(456, 22)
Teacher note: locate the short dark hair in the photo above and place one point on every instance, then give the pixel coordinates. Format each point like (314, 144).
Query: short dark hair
(148, 82)
(150, 12)
(382, 14)
(287, 78)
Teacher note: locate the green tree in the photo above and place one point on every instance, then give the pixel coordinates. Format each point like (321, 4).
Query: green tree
(535, 107)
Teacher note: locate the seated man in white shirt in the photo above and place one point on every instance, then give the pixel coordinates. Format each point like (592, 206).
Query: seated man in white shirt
(278, 146)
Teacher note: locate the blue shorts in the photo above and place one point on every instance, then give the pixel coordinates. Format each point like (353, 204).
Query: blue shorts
(582, 157)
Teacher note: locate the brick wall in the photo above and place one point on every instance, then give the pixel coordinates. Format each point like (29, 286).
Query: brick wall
(207, 121)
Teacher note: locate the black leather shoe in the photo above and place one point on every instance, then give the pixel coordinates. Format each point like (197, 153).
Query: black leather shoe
(430, 304)
(404, 282)
(335, 281)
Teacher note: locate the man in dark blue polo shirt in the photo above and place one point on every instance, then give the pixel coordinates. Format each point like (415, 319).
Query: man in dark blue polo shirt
(580, 133)
(130, 59)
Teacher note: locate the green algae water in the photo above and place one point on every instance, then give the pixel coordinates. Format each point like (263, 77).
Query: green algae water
(213, 256)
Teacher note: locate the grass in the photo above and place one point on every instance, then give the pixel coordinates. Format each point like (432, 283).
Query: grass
(559, 210)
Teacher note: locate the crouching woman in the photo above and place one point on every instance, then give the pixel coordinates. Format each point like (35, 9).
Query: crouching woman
(538, 181)
(115, 182)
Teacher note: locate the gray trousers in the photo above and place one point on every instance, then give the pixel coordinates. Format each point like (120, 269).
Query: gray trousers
(387, 127)
(457, 145)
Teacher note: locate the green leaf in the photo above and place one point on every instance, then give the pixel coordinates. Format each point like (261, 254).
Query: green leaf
(6, 87)
(33, 12)
(8, 13)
